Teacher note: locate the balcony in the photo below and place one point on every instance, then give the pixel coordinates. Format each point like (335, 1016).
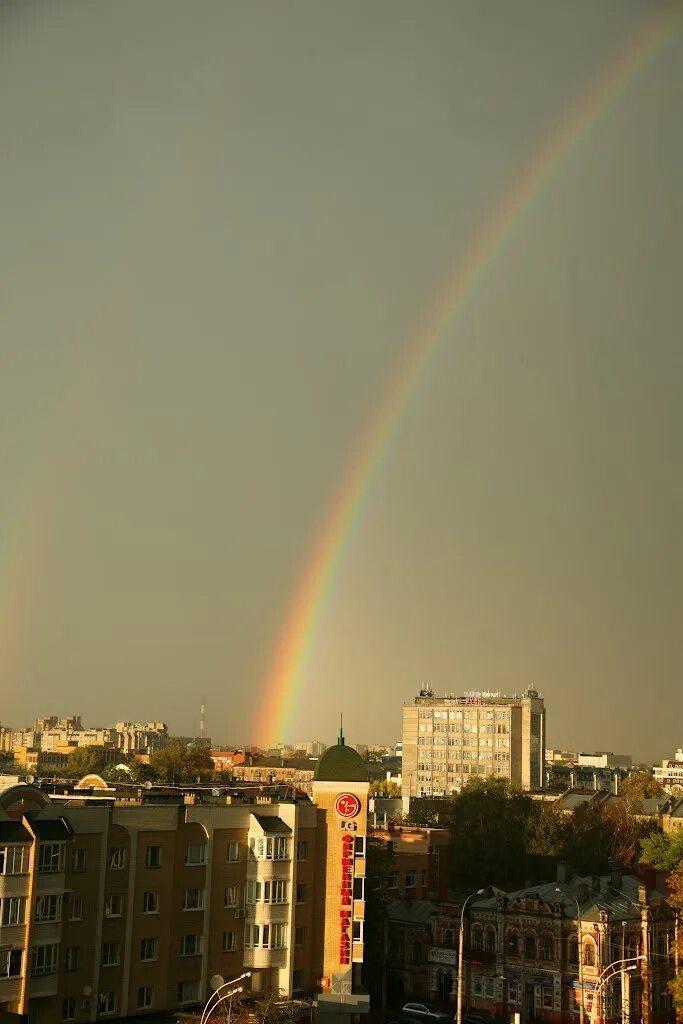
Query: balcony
(10, 990)
(44, 985)
(259, 957)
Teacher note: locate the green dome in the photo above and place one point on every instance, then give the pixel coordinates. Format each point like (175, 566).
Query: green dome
(341, 764)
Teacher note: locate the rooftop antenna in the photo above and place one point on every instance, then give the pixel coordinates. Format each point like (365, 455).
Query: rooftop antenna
(340, 741)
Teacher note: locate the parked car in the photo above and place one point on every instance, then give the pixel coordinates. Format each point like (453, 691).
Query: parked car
(472, 1017)
(422, 1012)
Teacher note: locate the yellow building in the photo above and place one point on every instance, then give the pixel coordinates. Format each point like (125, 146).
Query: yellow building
(111, 910)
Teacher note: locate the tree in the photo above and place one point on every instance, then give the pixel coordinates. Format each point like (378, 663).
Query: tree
(385, 788)
(663, 852)
(640, 786)
(177, 763)
(377, 898)
(85, 761)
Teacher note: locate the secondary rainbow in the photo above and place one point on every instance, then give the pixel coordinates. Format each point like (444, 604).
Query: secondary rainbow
(288, 667)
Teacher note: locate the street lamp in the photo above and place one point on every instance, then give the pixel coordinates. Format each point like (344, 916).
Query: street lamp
(602, 980)
(461, 943)
(579, 927)
(214, 999)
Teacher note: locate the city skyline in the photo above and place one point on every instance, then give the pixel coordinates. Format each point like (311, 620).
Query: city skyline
(223, 236)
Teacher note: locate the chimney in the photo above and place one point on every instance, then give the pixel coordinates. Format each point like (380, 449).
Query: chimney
(563, 873)
(642, 895)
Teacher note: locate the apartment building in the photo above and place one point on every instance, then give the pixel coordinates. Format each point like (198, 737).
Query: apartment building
(111, 911)
(447, 740)
(418, 860)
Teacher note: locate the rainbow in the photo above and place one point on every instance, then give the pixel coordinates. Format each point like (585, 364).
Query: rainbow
(288, 668)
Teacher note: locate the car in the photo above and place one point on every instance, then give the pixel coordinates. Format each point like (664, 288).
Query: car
(420, 1011)
(472, 1017)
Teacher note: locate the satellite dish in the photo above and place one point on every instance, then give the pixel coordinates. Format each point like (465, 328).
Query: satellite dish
(215, 792)
(148, 784)
(30, 779)
(216, 981)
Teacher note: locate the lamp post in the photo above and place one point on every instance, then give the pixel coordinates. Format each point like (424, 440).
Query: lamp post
(579, 927)
(461, 944)
(215, 998)
(604, 977)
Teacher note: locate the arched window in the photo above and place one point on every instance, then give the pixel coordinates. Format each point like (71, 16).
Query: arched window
(589, 954)
(529, 947)
(477, 937)
(512, 944)
(547, 947)
(417, 952)
(633, 946)
(490, 940)
(449, 938)
(573, 951)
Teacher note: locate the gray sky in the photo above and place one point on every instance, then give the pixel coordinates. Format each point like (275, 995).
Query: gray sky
(222, 225)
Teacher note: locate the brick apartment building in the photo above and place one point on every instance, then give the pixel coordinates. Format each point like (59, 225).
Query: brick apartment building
(112, 911)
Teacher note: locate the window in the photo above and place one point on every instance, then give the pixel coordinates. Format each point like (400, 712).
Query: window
(359, 888)
(512, 944)
(573, 951)
(13, 910)
(69, 1008)
(50, 857)
(274, 936)
(302, 850)
(477, 937)
(410, 879)
(301, 892)
(357, 931)
(150, 902)
(513, 992)
(229, 942)
(233, 852)
(190, 945)
(113, 905)
(297, 980)
(44, 959)
(78, 859)
(548, 998)
(72, 958)
(230, 897)
(153, 857)
(547, 947)
(193, 899)
(490, 940)
(589, 954)
(75, 907)
(299, 932)
(14, 860)
(11, 963)
(117, 860)
(48, 908)
(252, 935)
(393, 880)
(359, 846)
(148, 949)
(529, 947)
(106, 1004)
(275, 892)
(188, 991)
(110, 954)
(196, 854)
(145, 997)
(423, 878)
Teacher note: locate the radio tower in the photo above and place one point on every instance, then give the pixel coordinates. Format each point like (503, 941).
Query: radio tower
(202, 723)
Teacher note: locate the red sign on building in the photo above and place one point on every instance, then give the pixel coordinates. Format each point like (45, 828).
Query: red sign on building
(347, 805)
(346, 900)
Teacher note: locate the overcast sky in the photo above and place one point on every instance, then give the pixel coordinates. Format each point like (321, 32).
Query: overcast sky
(222, 225)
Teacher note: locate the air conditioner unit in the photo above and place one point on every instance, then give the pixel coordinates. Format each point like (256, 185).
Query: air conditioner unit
(85, 1004)
(239, 912)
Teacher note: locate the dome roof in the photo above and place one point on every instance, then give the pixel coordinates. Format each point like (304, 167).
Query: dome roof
(341, 764)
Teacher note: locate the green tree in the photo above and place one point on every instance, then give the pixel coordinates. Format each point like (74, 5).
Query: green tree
(85, 761)
(178, 763)
(377, 898)
(663, 852)
(385, 788)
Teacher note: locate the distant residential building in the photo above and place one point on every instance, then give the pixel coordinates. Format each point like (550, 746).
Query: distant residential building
(226, 760)
(605, 759)
(447, 740)
(398, 748)
(418, 860)
(670, 773)
(264, 771)
(312, 748)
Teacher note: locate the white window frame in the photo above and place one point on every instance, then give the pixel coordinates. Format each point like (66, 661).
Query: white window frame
(69, 1008)
(150, 901)
(50, 858)
(48, 908)
(75, 906)
(231, 896)
(188, 901)
(113, 899)
(14, 859)
(111, 954)
(229, 944)
(12, 910)
(191, 945)
(78, 859)
(149, 949)
(106, 1004)
(233, 852)
(184, 999)
(72, 958)
(145, 997)
(45, 959)
(302, 849)
(195, 855)
(116, 861)
(6, 961)
(153, 856)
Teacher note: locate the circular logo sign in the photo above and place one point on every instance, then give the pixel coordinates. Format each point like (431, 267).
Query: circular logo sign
(347, 805)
